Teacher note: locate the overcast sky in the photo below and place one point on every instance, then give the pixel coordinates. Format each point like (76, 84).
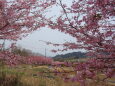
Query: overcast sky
(32, 41)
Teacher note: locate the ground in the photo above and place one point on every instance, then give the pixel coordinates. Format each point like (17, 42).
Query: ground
(27, 75)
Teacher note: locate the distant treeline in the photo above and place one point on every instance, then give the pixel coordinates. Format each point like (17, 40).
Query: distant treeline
(24, 52)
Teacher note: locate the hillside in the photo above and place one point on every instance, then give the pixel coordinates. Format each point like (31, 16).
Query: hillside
(70, 56)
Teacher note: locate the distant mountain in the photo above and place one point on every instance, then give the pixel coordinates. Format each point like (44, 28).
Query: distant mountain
(73, 54)
(70, 56)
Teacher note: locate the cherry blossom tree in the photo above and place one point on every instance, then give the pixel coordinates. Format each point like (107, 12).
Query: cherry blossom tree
(20, 17)
(92, 23)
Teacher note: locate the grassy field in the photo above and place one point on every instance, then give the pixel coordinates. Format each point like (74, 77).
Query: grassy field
(28, 75)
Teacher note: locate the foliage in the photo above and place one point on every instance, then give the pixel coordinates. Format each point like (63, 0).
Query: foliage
(91, 22)
(17, 19)
(39, 60)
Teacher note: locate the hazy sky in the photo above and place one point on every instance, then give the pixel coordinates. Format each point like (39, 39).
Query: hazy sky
(32, 41)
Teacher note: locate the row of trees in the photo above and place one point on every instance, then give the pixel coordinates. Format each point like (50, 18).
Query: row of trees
(39, 60)
(18, 55)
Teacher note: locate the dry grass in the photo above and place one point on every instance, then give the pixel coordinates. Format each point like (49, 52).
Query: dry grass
(31, 76)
